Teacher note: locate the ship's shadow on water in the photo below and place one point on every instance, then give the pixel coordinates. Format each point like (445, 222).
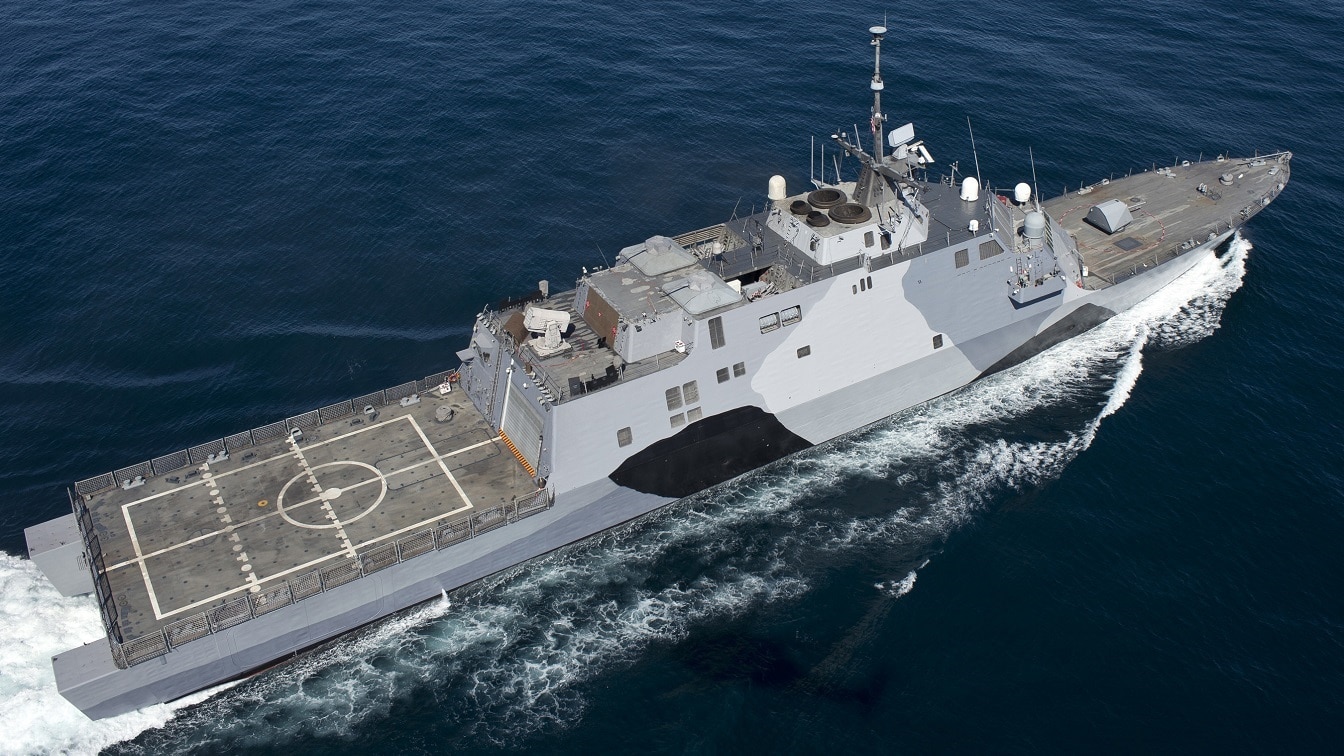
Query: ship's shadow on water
(706, 592)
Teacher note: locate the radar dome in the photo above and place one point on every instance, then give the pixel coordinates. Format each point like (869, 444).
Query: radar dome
(1033, 227)
(970, 189)
(1022, 192)
(778, 189)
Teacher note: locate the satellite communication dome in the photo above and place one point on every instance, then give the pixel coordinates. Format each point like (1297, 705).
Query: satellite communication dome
(1022, 192)
(970, 189)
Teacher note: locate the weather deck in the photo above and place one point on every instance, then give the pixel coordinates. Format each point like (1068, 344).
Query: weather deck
(207, 534)
(1171, 213)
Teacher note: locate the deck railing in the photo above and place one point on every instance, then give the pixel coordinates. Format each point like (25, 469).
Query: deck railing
(136, 650)
(248, 606)
(209, 452)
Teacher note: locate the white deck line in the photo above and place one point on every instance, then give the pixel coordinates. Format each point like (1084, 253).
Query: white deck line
(272, 459)
(304, 566)
(348, 549)
(410, 468)
(251, 579)
(144, 571)
(260, 462)
(442, 466)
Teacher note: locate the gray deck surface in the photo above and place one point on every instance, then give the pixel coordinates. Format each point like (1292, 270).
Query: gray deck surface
(190, 540)
(1168, 211)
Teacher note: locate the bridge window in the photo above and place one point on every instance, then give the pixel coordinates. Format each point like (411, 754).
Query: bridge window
(678, 420)
(722, 375)
(792, 315)
(770, 322)
(693, 414)
(674, 398)
(963, 257)
(989, 249)
(739, 370)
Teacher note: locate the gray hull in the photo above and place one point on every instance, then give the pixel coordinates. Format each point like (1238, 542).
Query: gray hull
(89, 678)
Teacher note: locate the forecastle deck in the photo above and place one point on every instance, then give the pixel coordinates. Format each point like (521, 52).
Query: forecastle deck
(1175, 209)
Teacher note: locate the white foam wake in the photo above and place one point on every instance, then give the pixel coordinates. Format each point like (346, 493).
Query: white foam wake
(506, 659)
(931, 443)
(37, 623)
(898, 588)
(511, 652)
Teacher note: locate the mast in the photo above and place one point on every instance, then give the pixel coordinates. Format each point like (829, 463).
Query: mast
(876, 85)
(871, 189)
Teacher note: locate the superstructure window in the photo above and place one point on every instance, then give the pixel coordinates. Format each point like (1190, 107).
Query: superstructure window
(678, 420)
(716, 333)
(938, 341)
(989, 249)
(722, 375)
(674, 398)
(963, 257)
(804, 351)
(624, 437)
(691, 391)
(792, 315)
(868, 238)
(693, 414)
(739, 370)
(870, 282)
(770, 322)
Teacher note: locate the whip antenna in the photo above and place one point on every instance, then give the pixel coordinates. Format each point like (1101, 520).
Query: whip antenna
(976, 155)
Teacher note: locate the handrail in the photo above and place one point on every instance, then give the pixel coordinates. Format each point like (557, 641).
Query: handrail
(280, 594)
(208, 452)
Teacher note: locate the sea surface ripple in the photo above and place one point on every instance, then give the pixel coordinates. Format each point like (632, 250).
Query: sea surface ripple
(217, 215)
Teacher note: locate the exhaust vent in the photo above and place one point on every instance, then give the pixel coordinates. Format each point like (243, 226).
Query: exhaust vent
(827, 197)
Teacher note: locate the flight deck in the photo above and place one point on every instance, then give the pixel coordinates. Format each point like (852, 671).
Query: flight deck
(253, 528)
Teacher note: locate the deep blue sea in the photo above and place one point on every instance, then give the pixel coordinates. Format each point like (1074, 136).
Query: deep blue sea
(215, 215)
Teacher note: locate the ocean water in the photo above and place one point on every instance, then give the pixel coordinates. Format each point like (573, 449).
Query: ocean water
(216, 215)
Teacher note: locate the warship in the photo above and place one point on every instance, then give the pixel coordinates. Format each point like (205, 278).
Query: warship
(693, 359)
